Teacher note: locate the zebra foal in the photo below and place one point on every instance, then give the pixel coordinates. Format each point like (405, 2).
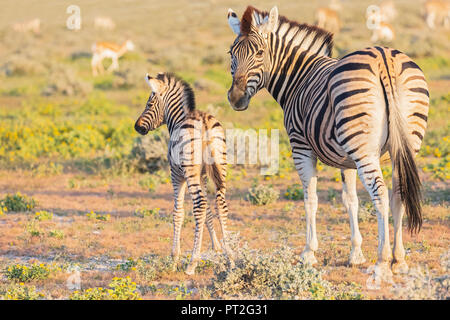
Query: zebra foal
(197, 149)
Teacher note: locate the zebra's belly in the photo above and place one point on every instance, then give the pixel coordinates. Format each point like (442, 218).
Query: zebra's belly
(335, 157)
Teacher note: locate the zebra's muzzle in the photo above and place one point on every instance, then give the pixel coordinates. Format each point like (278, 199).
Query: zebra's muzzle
(140, 129)
(238, 98)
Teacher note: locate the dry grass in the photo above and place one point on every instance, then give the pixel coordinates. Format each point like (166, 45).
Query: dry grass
(191, 39)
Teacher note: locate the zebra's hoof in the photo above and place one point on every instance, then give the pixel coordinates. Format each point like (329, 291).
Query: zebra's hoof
(307, 257)
(190, 270)
(356, 257)
(399, 267)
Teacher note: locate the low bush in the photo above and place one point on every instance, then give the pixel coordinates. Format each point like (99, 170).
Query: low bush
(262, 195)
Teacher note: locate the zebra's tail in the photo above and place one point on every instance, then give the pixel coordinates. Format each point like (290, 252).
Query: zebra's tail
(401, 152)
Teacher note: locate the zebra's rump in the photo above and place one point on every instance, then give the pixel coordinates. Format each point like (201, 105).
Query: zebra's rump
(350, 117)
(198, 142)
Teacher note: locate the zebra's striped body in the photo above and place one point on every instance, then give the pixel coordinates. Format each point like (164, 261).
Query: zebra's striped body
(197, 149)
(348, 113)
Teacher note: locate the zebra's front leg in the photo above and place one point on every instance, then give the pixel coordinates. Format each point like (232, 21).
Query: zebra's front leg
(307, 171)
(200, 203)
(350, 200)
(179, 186)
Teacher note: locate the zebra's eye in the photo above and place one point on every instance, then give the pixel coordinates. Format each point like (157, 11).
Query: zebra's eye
(260, 53)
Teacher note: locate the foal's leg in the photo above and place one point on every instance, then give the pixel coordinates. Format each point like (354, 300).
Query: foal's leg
(200, 203)
(350, 200)
(179, 187)
(210, 220)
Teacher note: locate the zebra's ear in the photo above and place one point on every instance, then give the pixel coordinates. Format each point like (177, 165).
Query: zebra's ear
(234, 22)
(153, 83)
(272, 20)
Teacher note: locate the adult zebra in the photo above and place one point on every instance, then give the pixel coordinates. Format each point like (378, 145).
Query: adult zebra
(348, 113)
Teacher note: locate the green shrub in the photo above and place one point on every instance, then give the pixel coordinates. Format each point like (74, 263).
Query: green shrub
(23, 273)
(22, 292)
(97, 216)
(119, 289)
(262, 195)
(18, 203)
(294, 192)
(43, 215)
(274, 275)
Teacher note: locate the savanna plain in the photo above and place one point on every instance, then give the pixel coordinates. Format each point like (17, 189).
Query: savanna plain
(86, 202)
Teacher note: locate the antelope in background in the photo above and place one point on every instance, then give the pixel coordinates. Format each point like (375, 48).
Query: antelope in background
(328, 18)
(102, 50)
(378, 18)
(388, 11)
(437, 12)
(33, 25)
(384, 32)
(104, 23)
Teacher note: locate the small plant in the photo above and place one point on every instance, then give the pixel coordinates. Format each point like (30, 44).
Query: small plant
(97, 216)
(142, 213)
(32, 228)
(17, 203)
(43, 215)
(332, 194)
(154, 267)
(22, 292)
(23, 273)
(294, 192)
(261, 195)
(127, 266)
(182, 292)
(56, 234)
(119, 289)
(3, 210)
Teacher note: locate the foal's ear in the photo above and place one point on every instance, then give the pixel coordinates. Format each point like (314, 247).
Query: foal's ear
(154, 84)
(272, 20)
(234, 22)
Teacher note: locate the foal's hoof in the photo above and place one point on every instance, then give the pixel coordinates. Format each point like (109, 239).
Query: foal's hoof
(307, 257)
(399, 267)
(356, 257)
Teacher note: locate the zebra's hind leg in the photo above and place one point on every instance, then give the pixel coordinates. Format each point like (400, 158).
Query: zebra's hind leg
(350, 200)
(369, 171)
(222, 209)
(179, 186)
(210, 221)
(200, 204)
(398, 209)
(306, 167)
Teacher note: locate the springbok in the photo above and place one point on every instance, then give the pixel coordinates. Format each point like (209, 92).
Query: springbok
(33, 25)
(387, 11)
(437, 12)
(104, 23)
(384, 32)
(328, 19)
(102, 50)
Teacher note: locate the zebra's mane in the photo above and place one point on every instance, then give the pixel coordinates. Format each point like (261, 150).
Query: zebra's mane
(188, 93)
(311, 38)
